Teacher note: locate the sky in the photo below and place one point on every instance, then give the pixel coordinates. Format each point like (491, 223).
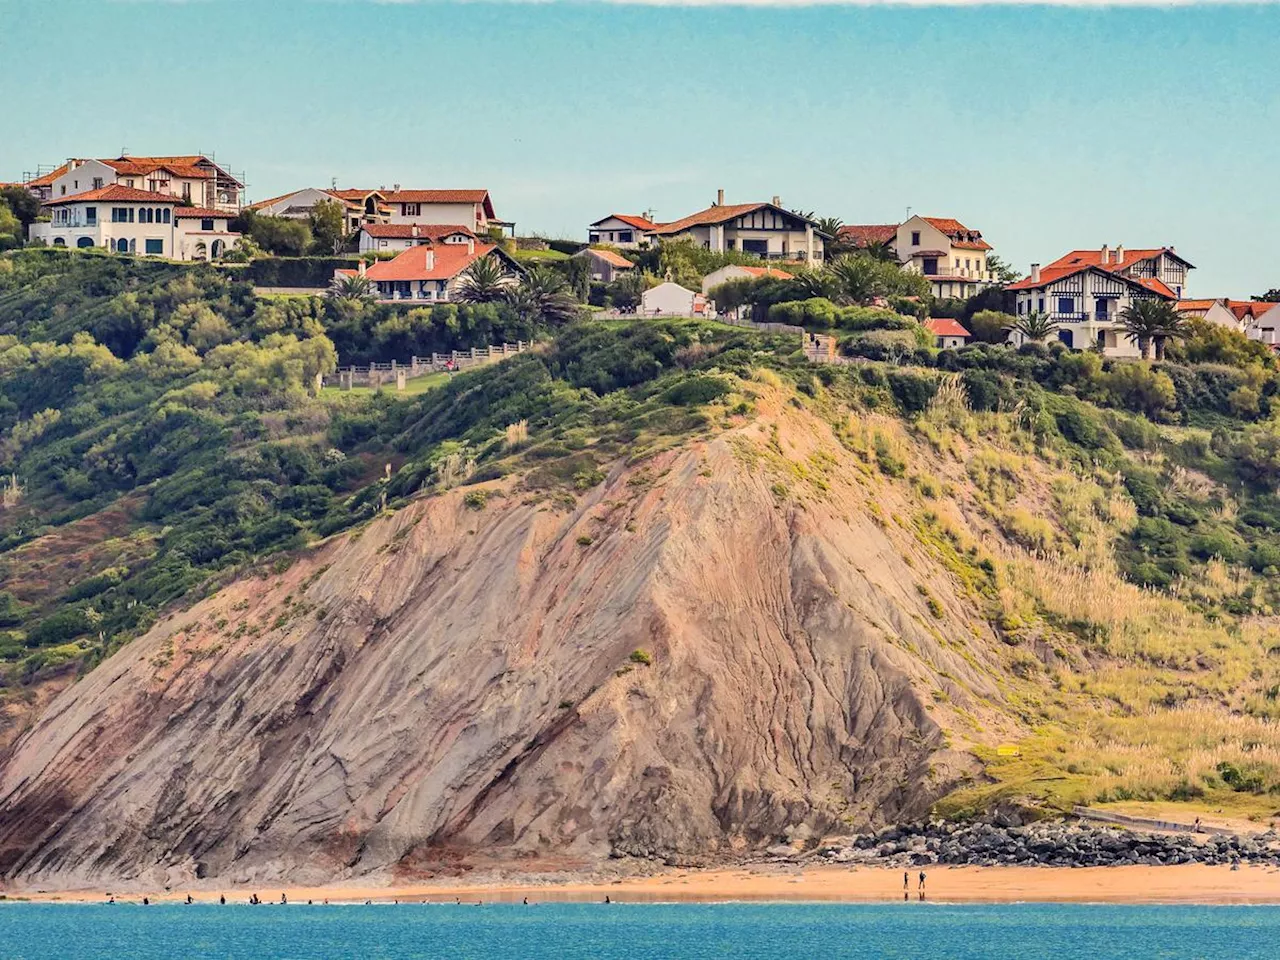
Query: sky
(1048, 128)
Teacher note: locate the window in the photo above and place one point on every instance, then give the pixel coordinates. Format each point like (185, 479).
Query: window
(155, 248)
(133, 246)
(382, 244)
(84, 243)
(64, 189)
(593, 238)
(206, 224)
(915, 238)
(624, 236)
(186, 191)
(122, 246)
(118, 215)
(411, 209)
(144, 215)
(97, 183)
(75, 184)
(59, 242)
(1040, 309)
(166, 215)
(91, 216)
(1066, 305)
(129, 183)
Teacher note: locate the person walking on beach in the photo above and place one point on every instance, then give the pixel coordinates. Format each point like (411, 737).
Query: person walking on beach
(906, 881)
(921, 886)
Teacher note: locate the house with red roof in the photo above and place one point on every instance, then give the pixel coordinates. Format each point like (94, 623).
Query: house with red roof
(128, 220)
(626, 231)
(430, 272)
(949, 334)
(472, 209)
(950, 255)
(739, 272)
(1085, 291)
(192, 178)
(394, 237)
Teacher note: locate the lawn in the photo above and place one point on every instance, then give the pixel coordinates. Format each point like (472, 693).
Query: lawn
(412, 387)
(538, 256)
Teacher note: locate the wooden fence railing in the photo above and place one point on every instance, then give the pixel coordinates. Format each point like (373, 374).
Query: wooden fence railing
(397, 373)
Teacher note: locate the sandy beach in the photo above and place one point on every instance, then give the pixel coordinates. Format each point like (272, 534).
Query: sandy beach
(1190, 883)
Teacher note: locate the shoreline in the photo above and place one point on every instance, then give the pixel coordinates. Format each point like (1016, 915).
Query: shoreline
(1178, 884)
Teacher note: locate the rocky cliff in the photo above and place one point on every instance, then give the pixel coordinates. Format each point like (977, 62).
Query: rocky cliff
(729, 643)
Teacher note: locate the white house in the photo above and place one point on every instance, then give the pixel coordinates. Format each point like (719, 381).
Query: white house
(1259, 319)
(128, 220)
(671, 299)
(359, 206)
(736, 272)
(623, 230)
(950, 255)
(1215, 311)
(949, 334)
(192, 178)
(605, 265)
(394, 237)
(1085, 291)
(766, 230)
(430, 272)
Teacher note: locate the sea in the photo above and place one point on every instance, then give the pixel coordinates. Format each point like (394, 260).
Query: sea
(624, 931)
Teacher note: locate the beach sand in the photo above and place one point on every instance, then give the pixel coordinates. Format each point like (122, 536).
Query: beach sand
(1189, 883)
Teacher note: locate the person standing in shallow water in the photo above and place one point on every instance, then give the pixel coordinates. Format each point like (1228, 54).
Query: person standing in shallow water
(921, 886)
(906, 881)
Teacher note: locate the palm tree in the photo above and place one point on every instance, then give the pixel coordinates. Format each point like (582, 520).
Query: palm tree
(485, 281)
(1151, 321)
(544, 296)
(351, 288)
(830, 225)
(1034, 327)
(880, 250)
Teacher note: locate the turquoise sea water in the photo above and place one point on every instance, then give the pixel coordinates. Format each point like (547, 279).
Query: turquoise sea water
(635, 931)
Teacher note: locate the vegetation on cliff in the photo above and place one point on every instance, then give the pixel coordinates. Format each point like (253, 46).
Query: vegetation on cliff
(1114, 523)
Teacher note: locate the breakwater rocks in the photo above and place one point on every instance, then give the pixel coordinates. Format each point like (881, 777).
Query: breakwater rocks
(1055, 844)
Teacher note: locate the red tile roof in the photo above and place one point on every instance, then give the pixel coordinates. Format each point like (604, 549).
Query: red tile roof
(1250, 308)
(958, 233)
(946, 327)
(767, 272)
(440, 196)
(863, 235)
(1079, 260)
(449, 261)
(405, 231)
(1190, 306)
(640, 223)
(117, 193)
(1094, 258)
(609, 256)
(352, 195)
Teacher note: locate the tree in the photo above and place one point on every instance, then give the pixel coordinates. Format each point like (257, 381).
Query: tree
(22, 203)
(283, 236)
(830, 225)
(1271, 296)
(991, 326)
(351, 288)
(1004, 272)
(1035, 327)
(543, 296)
(485, 281)
(861, 279)
(1152, 321)
(328, 221)
(881, 250)
(10, 228)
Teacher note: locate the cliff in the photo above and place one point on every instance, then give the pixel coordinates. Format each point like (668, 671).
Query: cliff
(729, 643)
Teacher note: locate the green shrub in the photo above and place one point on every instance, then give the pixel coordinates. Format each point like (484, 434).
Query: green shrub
(696, 390)
(641, 657)
(913, 391)
(475, 499)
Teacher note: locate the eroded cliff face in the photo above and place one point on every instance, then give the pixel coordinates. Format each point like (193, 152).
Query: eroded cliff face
(453, 686)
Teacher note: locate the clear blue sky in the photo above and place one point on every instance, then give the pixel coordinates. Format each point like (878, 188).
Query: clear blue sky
(1047, 128)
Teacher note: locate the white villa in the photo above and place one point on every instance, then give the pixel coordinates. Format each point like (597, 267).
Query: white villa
(429, 272)
(193, 178)
(471, 208)
(625, 231)
(950, 255)
(1085, 291)
(128, 220)
(393, 237)
(1256, 319)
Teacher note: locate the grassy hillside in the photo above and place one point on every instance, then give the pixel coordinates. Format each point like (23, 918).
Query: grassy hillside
(1116, 523)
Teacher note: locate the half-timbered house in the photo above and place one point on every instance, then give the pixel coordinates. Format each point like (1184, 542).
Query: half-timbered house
(1085, 291)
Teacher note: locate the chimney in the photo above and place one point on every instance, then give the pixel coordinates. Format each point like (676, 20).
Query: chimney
(1035, 273)
(413, 230)
(395, 187)
(1106, 255)
(720, 197)
(431, 258)
(777, 200)
(471, 246)
(361, 268)
(1119, 253)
